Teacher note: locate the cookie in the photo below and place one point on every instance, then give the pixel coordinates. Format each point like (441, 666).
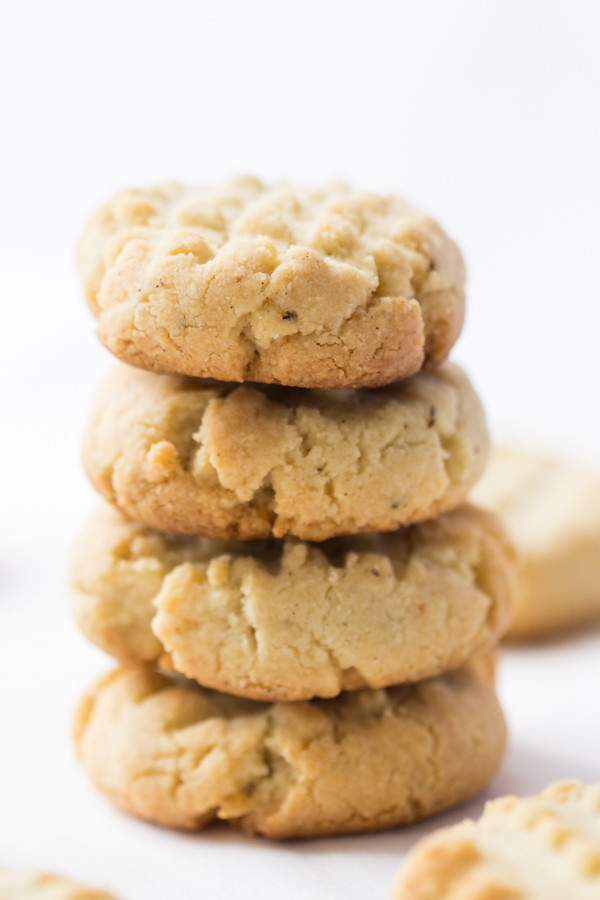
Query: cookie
(551, 510)
(325, 288)
(16, 885)
(248, 462)
(183, 756)
(289, 620)
(533, 848)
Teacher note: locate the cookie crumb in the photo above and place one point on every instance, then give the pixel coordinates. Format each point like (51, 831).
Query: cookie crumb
(161, 462)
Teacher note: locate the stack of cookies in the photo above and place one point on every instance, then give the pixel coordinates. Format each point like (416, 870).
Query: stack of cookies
(302, 604)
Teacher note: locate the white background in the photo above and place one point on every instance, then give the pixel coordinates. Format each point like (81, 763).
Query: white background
(487, 115)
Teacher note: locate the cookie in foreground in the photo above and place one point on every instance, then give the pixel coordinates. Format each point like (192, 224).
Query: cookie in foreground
(551, 510)
(322, 288)
(287, 620)
(180, 755)
(248, 462)
(18, 885)
(533, 848)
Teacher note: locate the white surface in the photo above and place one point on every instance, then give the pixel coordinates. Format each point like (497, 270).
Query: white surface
(486, 115)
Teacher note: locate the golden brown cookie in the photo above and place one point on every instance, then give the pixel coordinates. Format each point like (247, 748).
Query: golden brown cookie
(181, 755)
(532, 848)
(321, 288)
(17, 885)
(289, 620)
(240, 463)
(551, 511)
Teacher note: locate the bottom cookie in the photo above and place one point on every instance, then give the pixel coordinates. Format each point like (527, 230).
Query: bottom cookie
(531, 848)
(17, 885)
(177, 754)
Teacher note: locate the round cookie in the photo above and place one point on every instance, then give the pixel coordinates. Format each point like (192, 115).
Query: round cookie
(18, 885)
(183, 756)
(551, 510)
(288, 620)
(247, 462)
(321, 288)
(532, 848)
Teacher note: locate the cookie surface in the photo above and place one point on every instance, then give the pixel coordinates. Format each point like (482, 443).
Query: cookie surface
(532, 848)
(17, 885)
(324, 288)
(183, 756)
(289, 620)
(249, 462)
(551, 511)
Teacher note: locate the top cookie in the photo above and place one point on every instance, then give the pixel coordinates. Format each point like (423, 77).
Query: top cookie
(313, 288)
(532, 848)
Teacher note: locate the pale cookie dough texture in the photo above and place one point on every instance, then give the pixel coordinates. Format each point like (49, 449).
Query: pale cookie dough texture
(324, 288)
(551, 511)
(289, 620)
(184, 756)
(247, 462)
(17, 885)
(533, 848)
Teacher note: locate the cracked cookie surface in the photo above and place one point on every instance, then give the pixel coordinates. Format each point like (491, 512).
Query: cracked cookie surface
(313, 288)
(287, 620)
(532, 848)
(18, 885)
(551, 510)
(248, 462)
(183, 756)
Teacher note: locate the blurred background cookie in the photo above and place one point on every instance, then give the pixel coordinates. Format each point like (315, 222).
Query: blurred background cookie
(551, 510)
(529, 848)
(18, 885)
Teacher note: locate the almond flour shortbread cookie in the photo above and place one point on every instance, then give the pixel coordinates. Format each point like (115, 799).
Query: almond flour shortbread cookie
(249, 462)
(16, 885)
(288, 620)
(326, 288)
(181, 755)
(552, 512)
(533, 848)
